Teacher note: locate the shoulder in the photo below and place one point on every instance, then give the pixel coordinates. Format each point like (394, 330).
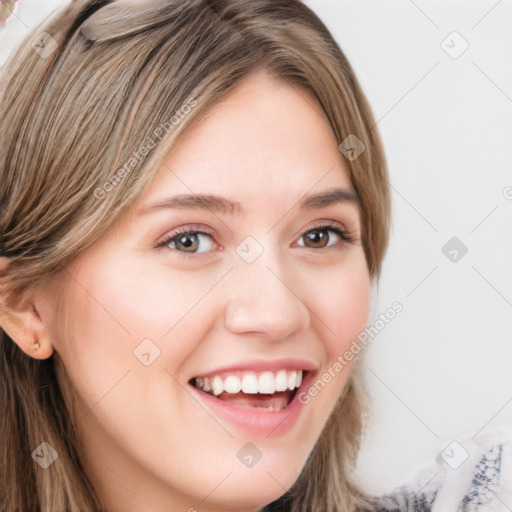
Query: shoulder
(468, 474)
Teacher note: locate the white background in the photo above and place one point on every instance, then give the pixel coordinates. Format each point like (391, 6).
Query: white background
(442, 369)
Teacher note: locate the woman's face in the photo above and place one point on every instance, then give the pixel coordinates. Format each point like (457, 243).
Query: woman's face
(263, 287)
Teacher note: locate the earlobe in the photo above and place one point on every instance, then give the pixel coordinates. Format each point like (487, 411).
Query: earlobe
(25, 328)
(23, 324)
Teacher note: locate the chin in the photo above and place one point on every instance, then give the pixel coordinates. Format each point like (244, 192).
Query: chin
(253, 488)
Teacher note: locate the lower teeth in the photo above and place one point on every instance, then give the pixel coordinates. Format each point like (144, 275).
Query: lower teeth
(273, 408)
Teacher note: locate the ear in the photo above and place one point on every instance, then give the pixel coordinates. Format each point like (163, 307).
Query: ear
(20, 319)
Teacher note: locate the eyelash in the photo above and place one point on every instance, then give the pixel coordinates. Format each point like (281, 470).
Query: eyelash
(346, 238)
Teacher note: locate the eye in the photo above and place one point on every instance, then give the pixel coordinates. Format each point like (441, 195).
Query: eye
(321, 237)
(188, 241)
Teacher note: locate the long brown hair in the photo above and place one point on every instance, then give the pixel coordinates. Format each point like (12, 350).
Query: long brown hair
(80, 98)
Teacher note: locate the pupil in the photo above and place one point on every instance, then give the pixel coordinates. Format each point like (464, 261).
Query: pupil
(316, 236)
(183, 241)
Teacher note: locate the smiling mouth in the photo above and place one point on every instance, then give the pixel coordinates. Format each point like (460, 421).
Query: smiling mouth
(272, 391)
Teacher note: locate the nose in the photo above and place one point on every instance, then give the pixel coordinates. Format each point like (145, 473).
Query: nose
(265, 299)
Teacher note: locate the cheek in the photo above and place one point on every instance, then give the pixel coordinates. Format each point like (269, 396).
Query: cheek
(121, 303)
(152, 301)
(341, 303)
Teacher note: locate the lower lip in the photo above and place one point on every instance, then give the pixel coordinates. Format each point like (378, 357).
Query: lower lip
(257, 421)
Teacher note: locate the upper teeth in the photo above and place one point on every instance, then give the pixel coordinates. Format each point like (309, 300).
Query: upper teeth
(251, 382)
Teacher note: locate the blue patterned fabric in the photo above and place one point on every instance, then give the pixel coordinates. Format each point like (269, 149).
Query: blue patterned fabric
(471, 474)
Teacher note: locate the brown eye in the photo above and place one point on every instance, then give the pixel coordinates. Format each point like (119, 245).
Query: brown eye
(317, 238)
(323, 237)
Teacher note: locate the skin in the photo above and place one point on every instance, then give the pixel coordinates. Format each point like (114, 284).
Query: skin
(150, 445)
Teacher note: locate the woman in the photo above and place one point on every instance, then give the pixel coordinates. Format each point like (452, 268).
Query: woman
(195, 207)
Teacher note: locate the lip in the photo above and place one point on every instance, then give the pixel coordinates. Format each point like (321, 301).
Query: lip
(260, 365)
(257, 421)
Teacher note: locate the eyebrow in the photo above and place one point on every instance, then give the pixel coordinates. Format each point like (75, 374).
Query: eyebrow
(219, 204)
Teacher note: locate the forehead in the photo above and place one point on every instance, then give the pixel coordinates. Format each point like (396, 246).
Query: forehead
(265, 139)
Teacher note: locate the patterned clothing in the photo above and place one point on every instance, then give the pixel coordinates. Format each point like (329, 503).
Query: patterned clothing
(472, 474)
